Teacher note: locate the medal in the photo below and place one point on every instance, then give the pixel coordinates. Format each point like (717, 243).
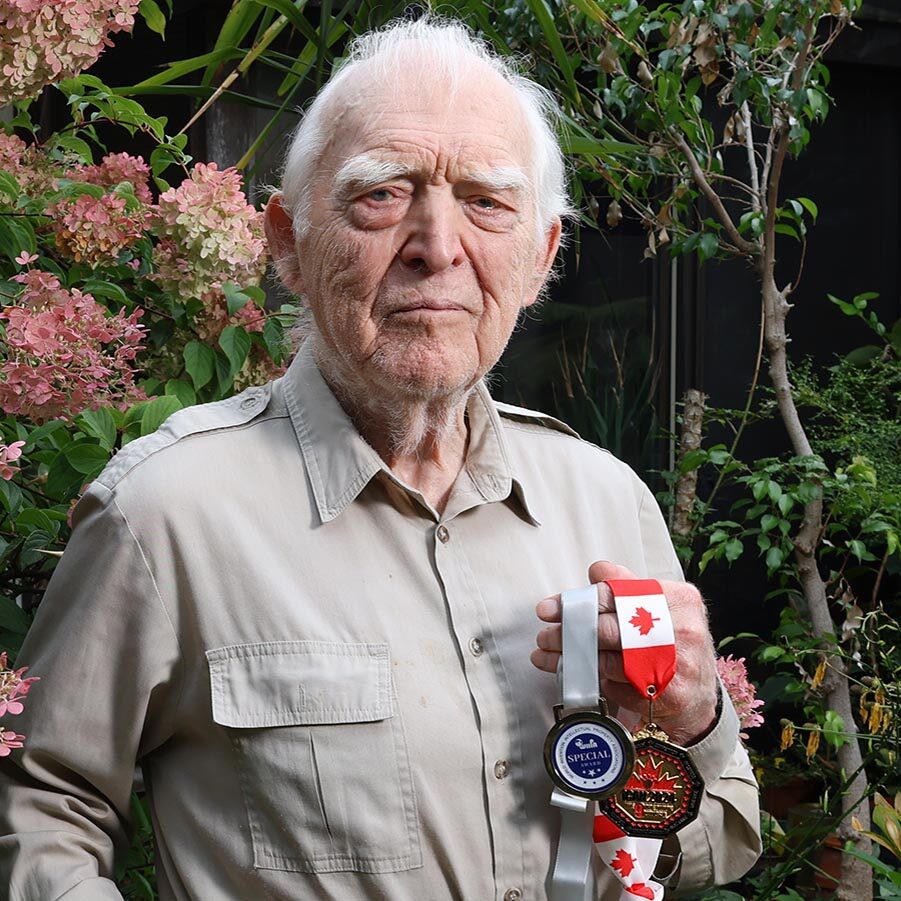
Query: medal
(588, 753)
(664, 790)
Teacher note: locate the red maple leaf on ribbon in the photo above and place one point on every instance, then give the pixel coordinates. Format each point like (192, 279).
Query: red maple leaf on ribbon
(641, 891)
(643, 621)
(623, 863)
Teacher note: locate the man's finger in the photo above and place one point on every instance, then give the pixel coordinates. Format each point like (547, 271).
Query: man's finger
(601, 570)
(548, 609)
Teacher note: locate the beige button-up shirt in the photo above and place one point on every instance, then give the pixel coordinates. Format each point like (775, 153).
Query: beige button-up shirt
(326, 683)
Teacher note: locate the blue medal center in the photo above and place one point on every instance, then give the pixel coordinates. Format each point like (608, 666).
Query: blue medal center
(588, 755)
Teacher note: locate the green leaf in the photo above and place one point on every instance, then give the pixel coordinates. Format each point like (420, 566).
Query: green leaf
(834, 729)
(774, 558)
(9, 186)
(235, 342)
(775, 491)
(153, 16)
(707, 246)
(157, 412)
(771, 653)
(274, 338)
(12, 617)
(101, 288)
(552, 35)
(87, 458)
(858, 548)
(810, 206)
(733, 549)
(183, 67)
(783, 229)
(182, 390)
(785, 503)
(235, 298)
(200, 363)
(768, 522)
(100, 424)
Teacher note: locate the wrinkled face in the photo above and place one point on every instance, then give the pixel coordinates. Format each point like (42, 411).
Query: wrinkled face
(423, 245)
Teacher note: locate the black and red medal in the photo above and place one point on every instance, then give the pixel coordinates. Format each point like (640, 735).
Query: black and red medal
(664, 790)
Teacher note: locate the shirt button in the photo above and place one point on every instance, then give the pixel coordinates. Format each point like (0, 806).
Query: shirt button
(248, 402)
(476, 647)
(512, 894)
(501, 768)
(443, 534)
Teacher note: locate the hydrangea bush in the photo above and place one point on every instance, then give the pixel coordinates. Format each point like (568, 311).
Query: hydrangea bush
(129, 288)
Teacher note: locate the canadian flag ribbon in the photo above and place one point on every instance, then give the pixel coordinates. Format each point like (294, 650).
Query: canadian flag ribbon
(631, 859)
(646, 630)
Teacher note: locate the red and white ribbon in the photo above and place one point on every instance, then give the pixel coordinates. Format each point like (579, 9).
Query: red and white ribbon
(632, 860)
(649, 662)
(646, 629)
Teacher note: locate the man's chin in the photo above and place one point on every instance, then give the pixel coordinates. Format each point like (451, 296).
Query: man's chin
(422, 383)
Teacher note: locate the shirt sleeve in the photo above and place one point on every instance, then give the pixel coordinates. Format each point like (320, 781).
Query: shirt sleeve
(724, 841)
(107, 657)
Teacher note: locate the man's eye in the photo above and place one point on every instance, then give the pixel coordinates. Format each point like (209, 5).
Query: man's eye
(380, 195)
(487, 203)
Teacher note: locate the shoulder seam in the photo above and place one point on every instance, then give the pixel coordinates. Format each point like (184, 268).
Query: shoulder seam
(265, 416)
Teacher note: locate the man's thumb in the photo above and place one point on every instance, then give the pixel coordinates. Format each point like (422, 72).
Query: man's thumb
(602, 570)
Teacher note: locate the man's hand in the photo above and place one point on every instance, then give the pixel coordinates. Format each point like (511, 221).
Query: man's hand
(686, 710)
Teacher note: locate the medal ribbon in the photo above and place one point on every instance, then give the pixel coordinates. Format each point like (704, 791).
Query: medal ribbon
(646, 630)
(649, 662)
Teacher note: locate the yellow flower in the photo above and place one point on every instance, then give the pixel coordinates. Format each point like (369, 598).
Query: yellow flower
(813, 743)
(788, 736)
(819, 674)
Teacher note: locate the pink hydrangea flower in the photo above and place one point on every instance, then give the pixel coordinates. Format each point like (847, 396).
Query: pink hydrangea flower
(96, 230)
(9, 741)
(114, 169)
(44, 42)
(65, 352)
(734, 675)
(9, 453)
(33, 170)
(25, 258)
(209, 234)
(13, 687)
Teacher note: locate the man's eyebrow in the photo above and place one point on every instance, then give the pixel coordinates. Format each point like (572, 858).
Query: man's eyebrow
(360, 172)
(500, 178)
(363, 171)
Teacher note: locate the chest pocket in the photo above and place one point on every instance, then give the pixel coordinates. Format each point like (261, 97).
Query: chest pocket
(321, 753)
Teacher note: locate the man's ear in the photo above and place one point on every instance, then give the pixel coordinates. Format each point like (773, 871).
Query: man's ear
(544, 259)
(280, 234)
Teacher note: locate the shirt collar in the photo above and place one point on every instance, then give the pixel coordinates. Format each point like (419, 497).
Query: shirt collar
(340, 463)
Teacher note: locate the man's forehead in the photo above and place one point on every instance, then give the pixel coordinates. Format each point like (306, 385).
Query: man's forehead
(475, 117)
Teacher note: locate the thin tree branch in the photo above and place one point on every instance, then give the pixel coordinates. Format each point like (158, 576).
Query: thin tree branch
(746, 247)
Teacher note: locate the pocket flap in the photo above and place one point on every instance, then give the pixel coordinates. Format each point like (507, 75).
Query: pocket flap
(297, 683)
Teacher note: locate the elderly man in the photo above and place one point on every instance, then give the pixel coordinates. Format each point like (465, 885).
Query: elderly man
(308, 612)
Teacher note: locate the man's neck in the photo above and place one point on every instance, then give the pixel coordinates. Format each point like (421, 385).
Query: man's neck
(423, 443)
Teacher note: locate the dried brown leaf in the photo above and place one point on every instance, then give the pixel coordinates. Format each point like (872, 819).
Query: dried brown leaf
(614, 214)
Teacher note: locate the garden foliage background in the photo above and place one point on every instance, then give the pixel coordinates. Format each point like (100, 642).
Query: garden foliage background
(133, 283)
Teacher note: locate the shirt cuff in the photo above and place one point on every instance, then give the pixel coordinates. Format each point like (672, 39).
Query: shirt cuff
(711, 755)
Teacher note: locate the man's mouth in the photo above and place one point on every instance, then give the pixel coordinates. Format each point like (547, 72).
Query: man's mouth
(429, 307)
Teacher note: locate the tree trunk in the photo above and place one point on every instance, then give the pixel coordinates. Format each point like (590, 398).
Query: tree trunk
(856, 876)
(689, 440)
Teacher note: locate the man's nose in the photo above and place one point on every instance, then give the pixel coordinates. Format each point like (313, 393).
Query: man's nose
(433, 241)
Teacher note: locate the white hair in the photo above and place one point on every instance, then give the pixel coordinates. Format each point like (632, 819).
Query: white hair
(448, 49)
